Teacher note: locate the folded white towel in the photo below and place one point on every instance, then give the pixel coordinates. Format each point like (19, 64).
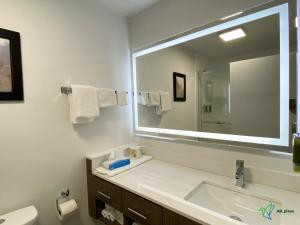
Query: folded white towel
(105, 213)
(143, 98)
(135, 223)
(83, 104)
(165, 103)
(106, 97)
(122, 98)
(120, 217)
(111, 212)
(154, 98)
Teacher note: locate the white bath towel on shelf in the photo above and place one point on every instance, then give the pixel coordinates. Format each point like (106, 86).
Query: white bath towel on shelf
(83, 104)
(135, 223)
(122, 98)
(165, 103)
(143, 98)
(112, 213)
(120, 217)
(104, 213)
(106, 97)
(154, 98)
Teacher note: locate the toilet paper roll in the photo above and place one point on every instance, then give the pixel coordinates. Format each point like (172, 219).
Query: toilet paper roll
(66, 208)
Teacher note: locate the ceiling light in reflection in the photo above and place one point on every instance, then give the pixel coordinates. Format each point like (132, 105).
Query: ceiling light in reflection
(233, 35)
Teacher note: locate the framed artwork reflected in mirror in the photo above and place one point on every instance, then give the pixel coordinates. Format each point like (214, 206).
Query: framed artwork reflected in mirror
(179, 87)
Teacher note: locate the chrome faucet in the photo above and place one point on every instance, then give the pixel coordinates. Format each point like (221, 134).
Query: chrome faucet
(240, 173)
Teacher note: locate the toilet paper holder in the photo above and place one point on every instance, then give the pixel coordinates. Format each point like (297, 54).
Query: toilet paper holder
(64, 196)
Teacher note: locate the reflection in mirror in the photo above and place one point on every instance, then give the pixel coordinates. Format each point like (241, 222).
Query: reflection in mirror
(233, 82)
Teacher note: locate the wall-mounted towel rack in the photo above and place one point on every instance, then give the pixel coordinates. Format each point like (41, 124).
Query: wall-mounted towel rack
(68, 90)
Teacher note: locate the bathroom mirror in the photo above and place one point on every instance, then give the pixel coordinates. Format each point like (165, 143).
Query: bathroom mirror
(240, 75)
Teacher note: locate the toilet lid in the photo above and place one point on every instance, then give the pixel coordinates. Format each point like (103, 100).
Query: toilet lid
(25, 216)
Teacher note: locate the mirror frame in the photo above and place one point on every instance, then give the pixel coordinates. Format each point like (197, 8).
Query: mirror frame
(298, 67)
(283, 11)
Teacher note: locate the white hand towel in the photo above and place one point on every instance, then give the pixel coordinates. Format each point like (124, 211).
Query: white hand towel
(154, 98)
(143, 98)
(122, 98)
(120, 217)
(165, 103)
(83, 104)
(106, 97)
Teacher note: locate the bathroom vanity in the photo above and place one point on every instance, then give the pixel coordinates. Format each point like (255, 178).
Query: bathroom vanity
(162, 193)
(134, 206)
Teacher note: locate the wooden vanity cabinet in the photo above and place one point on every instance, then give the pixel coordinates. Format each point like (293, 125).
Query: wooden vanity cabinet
(134, 207)
(171, 218)
(141, 210)
(107, 193)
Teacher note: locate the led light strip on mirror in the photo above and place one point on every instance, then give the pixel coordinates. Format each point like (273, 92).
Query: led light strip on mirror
(283, 12)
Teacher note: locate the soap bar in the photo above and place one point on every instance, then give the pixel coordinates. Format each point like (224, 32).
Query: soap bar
(119, 163)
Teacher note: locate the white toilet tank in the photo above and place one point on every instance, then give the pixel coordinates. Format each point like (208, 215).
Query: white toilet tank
(25, 216)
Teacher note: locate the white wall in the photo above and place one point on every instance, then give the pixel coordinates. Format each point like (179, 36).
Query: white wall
(63, 41)
(155, 73)
(255, 97)
(170, 17)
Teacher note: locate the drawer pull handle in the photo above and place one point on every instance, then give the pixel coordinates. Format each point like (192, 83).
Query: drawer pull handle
(137, 214)
(104, 195)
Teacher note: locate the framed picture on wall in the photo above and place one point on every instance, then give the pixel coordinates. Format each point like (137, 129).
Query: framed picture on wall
(179, 87)
(11, 81)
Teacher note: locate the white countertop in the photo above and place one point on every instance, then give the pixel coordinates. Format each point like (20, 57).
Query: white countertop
(167, 184)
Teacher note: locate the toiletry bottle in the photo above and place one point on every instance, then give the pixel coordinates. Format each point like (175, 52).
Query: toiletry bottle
(294, 128)
(296, 152)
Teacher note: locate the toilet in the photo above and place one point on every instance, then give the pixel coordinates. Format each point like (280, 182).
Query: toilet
(25, 216)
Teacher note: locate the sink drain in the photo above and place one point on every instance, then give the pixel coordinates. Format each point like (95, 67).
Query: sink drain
(236, 218)
(2, 221)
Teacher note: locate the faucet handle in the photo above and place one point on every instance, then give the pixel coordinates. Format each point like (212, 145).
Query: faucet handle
(239, 163)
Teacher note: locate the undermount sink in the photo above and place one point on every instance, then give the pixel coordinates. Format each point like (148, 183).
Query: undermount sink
(236, 204)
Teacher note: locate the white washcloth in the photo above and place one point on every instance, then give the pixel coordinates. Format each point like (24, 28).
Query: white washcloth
(143, 98)
(122, 98)
(154, 98)
(165, 103)
(83, 104)
(106, 97)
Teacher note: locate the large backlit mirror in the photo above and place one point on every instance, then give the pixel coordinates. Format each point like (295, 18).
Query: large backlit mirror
(232, 80)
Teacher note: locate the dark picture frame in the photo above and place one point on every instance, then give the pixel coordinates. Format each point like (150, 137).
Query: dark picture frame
(179, 87)
(11, 66)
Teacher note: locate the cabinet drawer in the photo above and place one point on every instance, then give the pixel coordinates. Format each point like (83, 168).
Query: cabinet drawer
(185, 221)
(141, 210)
(171, 218)
(108, 193)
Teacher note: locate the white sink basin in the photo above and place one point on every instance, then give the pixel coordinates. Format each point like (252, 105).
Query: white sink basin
(236, 204)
